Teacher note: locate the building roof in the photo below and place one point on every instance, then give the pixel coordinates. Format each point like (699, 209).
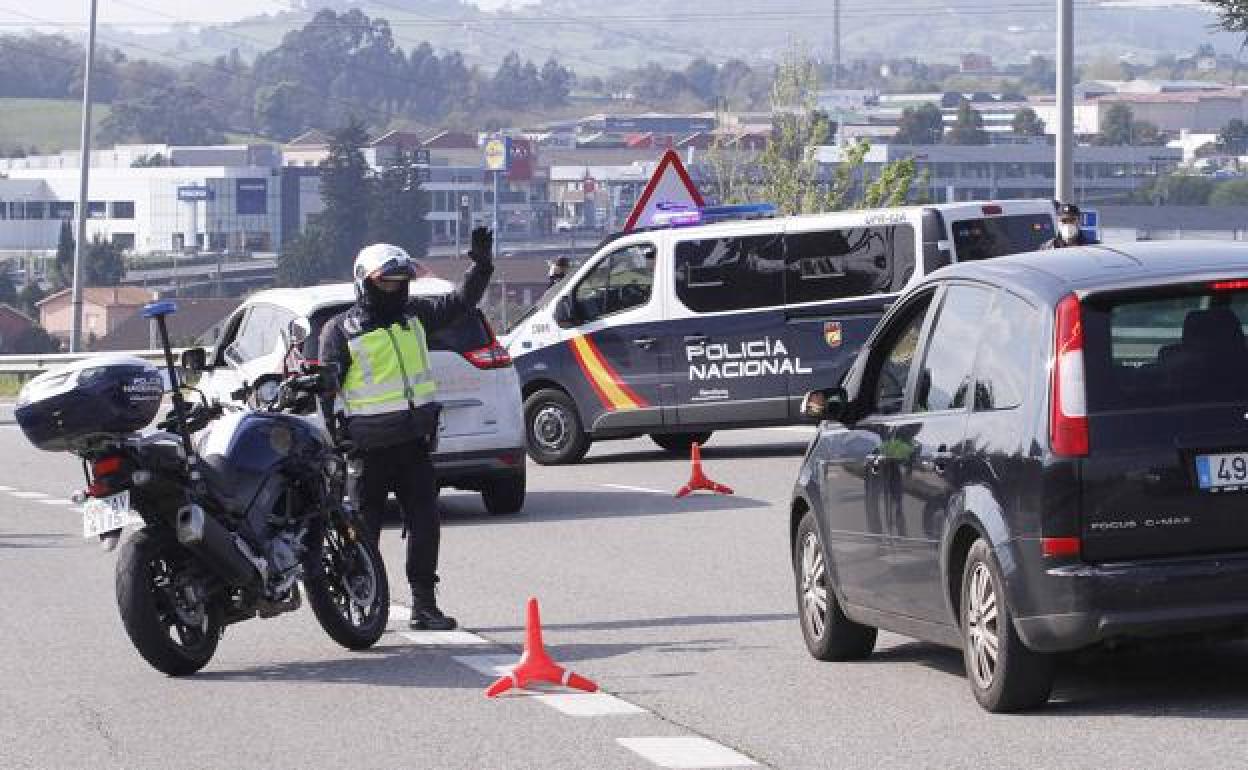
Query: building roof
(12, 312)
(125, 296)
(313, 138)
(193, 319)
(1173, 97)
(451, 140)
(396, 138)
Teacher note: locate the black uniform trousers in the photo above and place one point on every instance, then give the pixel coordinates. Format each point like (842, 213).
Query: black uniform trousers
(407, 471)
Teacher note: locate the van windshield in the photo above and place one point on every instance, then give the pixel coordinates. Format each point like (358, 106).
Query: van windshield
(998, 236)
(1177, 349)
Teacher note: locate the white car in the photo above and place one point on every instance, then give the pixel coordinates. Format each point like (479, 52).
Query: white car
(481, 436)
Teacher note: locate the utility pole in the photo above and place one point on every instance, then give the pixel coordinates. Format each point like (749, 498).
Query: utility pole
(84, 170)
(1064, 176)
(836, 43)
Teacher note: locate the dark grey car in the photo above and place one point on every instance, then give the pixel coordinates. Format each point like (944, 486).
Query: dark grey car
(1035, 454)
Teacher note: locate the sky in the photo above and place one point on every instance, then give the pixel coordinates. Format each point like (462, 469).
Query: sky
(129, 11)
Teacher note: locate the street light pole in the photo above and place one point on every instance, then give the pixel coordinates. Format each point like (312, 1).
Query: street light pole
(1064, 175)
(84, 170)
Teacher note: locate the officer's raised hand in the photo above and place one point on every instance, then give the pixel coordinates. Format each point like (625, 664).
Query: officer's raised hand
(482, 251)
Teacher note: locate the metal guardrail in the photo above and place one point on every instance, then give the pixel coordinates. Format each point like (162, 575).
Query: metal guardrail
(42, 362)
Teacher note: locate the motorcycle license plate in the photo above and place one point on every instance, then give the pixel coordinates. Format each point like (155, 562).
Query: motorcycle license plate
(105, 514)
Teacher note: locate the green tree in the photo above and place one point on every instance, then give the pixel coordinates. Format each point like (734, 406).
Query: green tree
(28, 300)
(64, 257)
(1027, 123)
(35, 340)
(1119, 128)
(920, 125)
(8, 289)
(1179, 190)
(399, 208)
(177, 114)
(1233, 138)
(789, 165)
(1233, 192)
(345, 189)
(968, 128)
(306, 260)
(555, 83)
(104, 264)
(286, 109)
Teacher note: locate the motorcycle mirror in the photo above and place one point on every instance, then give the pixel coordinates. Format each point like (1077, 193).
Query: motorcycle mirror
(298, 331)
(195, 360)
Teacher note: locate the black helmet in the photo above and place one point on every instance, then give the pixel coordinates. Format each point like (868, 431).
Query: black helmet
(1068, 211)
(561, 262)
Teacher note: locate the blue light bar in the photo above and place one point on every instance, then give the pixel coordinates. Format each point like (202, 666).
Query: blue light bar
(738, 211)
(157, 309)
(681, 215)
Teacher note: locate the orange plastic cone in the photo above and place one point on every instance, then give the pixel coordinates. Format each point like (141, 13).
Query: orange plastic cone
(535, 664)
(699, 480)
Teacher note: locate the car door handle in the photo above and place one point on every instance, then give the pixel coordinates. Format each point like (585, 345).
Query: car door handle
(696, 339)
(645, 342)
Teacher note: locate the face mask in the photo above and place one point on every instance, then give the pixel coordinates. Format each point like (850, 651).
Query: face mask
(1068, 230)
(388, 305)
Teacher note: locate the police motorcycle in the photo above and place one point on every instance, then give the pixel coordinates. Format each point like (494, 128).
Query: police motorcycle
(236, 504)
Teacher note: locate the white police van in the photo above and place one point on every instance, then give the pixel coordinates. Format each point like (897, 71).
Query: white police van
(679, 331)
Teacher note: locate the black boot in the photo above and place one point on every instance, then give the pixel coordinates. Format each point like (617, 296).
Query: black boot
(425, 613)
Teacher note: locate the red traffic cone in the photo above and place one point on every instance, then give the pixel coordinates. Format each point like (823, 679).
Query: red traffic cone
(535, 664)
(699, 480)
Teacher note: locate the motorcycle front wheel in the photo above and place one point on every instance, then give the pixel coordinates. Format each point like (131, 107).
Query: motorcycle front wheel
(347, 586)
(165, 607)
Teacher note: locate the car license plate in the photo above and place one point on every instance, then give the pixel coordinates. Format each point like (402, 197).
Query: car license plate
(105, 514)
(1222, 472)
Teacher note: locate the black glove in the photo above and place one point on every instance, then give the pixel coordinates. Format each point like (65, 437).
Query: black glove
(482, 251)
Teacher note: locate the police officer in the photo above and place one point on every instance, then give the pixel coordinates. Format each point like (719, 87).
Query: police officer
(558, 269)
(1068, 232)
(387, 399)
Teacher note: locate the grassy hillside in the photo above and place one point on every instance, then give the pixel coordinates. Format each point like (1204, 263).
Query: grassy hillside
(51, 125)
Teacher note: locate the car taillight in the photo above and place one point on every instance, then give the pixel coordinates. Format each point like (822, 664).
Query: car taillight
(1229, 285)
(1068, 416)
(1058, 547)
(492, 356)
(991, 210)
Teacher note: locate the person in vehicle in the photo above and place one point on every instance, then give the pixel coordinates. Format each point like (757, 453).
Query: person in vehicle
(387, 399)
(558, 271)
(1068, 231)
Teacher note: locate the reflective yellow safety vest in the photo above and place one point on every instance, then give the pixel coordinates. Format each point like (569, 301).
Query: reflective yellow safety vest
(389, 370)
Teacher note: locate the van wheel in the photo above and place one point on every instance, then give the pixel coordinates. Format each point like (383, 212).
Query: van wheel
(679, 443)
(829, 634)
(504, 494)
(1003, 673)
(553, 431)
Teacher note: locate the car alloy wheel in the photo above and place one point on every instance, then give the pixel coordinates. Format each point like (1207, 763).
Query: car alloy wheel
(550, 428)
(814, 585)
(982, 629)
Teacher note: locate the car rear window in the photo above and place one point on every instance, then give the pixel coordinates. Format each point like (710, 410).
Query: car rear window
(469, 332)
(998, 236)
(1184, 347)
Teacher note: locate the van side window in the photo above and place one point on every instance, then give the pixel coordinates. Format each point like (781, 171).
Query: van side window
(848, 262)
(1005, 355)
(944, 381)
(621, 281)
(741, 273)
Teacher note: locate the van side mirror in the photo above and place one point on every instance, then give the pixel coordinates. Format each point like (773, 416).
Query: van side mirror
(828, 404)
(566, 312)
(195, 360)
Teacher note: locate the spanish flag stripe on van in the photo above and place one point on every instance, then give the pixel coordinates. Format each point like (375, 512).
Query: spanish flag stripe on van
(607, 383)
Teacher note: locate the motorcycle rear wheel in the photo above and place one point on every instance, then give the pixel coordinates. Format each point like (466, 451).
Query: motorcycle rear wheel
(166, 611)
(347, 587)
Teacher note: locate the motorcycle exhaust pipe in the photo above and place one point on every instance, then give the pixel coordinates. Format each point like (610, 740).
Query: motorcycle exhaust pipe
(219, 549)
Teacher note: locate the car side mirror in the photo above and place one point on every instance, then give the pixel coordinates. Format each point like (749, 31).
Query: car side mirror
(566, 312)
(828, 404)
(195, 360)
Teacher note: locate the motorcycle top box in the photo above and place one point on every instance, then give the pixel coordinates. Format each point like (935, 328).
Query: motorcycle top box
(102, 396)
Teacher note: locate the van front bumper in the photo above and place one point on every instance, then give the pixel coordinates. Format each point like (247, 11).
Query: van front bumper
(1140, 599)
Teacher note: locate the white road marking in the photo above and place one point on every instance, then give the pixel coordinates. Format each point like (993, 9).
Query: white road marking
(596, 704)
(54, 501)
(685, 751)
(7, 489)
(443, 638)
(28, 495)
(637, 489)
(488, 665)
(794, 428)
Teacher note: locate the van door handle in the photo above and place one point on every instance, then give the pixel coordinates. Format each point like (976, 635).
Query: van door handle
(645, 342)
(696, 339)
